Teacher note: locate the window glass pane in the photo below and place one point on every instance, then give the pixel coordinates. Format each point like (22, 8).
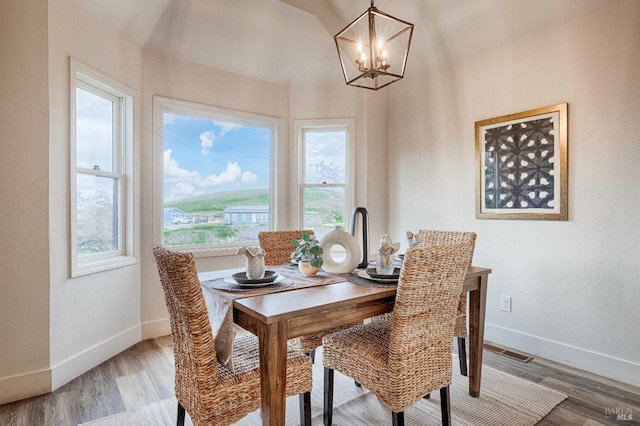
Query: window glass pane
(216, 178)
(97, 214)
(323, 209)
(325, 156)
(94, 131)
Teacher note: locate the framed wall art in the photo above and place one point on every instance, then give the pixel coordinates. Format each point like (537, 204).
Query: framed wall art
(522, 165)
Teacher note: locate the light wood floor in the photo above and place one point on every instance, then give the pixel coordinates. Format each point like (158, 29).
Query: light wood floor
(144, 374)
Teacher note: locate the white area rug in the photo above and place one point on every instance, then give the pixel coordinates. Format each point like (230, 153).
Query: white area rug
(504, 400)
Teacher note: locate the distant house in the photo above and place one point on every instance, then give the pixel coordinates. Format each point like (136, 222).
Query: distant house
(244, 215)
(173, 214)
(200, 218)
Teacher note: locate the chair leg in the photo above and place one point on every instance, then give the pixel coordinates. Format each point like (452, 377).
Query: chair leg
(462, 355)
(445, 406)
(305, 409)
(358, 385)
(312, 355)
(427, 396)
(181, 414)
(328, 396)
(397, 418)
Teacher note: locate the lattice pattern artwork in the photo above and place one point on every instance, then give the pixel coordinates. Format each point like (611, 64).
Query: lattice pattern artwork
(519, 165)
(522, 165)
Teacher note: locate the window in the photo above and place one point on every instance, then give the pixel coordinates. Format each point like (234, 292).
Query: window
(101, 169)
(216, 173)
(325, 173)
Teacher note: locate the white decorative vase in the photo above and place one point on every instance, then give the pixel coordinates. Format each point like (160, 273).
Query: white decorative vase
(351, 247)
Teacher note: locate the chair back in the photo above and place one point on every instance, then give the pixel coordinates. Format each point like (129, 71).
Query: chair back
(277, 245)
(430, 237)
(196, 367)
(422, 323)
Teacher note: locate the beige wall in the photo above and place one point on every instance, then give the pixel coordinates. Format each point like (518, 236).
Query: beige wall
(24, 196)
(574, 284)
(95, 316)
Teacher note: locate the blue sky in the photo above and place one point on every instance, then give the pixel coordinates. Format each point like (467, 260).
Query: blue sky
(202, 156)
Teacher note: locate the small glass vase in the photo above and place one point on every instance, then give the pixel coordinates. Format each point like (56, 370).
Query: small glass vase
(384, 264)
(255, 267)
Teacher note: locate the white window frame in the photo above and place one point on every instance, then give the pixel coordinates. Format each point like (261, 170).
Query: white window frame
(300, 127)
(163, 105)
(89, 79)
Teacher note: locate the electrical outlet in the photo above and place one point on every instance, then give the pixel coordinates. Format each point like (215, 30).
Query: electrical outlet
(505, 303)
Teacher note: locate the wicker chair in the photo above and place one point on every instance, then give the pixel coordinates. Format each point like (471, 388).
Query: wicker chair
(430, 237)
(277, 245)
(403, 356)
(278, 249)
(209, 392)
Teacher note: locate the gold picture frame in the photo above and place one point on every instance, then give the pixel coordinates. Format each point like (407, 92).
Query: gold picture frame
(521, 165)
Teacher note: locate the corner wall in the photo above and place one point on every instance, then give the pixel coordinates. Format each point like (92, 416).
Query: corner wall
(574, 284)
(24, 195)
(96, 316)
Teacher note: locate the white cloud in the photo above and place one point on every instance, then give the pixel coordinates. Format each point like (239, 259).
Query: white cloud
(249, 178)
(206, 142)
(188, 183)
(210, 136)
(225, 127)
(229, 176)
(181, 190)
(173, 172)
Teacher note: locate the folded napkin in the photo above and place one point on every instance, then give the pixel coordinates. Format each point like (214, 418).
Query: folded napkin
(387, 249)
(412, 239)
(255, 261)
(250, 251)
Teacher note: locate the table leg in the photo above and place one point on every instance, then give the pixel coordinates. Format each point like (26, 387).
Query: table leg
(477, 302)
(273, 373)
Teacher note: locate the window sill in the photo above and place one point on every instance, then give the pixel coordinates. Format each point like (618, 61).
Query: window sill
(91, 267)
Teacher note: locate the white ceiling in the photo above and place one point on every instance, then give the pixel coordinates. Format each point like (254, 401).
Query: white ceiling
(291, 41)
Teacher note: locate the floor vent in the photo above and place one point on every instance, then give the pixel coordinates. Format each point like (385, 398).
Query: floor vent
(511, 354)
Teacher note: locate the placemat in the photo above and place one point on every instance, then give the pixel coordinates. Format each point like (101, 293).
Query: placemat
(356, 279)
(221, 284)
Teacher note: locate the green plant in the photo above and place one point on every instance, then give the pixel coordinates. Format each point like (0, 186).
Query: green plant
(307, 249)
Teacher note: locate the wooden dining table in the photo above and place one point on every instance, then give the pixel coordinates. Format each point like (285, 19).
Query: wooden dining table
(277, 317)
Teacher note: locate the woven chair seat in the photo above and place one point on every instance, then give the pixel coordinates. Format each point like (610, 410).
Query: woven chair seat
(309, 342)
(241, 388)
(210, 393)
(370, 345)
(403, 356)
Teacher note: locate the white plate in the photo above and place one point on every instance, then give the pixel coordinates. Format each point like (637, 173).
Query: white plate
(230, 280)
(363, 274)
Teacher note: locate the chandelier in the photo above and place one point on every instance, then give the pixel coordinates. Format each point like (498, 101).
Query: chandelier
(373, 49)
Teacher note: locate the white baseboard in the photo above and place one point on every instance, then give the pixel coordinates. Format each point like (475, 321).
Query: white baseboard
(84, 361)
(622, 370)
(156, 328)
(14, 388)
(17, 387)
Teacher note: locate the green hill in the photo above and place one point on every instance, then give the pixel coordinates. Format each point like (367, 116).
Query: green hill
(216, 202)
